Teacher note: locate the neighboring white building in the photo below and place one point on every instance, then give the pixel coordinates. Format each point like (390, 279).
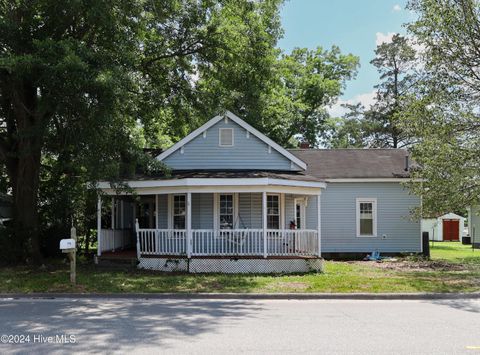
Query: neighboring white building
(448, 227)
(474, 224)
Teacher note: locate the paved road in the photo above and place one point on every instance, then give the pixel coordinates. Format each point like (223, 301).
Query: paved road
(243, 326)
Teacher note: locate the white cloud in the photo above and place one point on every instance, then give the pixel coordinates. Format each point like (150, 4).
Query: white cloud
(366, 99)
(397, 8)
(383, 38)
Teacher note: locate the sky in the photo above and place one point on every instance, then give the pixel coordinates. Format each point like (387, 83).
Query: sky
(356, 26)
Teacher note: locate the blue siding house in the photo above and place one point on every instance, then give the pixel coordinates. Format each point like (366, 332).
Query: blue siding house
(236, 201)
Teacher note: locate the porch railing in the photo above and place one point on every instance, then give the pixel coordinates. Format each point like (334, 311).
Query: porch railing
(228, 242)
(113, 239)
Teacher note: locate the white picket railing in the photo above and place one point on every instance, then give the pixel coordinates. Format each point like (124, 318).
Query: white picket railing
(162, 241)
(114, 239)
(228, 242)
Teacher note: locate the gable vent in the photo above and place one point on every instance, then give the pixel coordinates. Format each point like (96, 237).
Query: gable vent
(226, 137)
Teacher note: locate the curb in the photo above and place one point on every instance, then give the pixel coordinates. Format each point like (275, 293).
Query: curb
(246, 296)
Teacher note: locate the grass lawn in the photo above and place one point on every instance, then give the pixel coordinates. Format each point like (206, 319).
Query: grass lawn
(453, 268)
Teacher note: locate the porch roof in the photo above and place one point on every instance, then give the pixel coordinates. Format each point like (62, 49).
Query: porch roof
(206, 180)
(229, 174)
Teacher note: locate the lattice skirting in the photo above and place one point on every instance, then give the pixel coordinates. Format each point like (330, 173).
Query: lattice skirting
(232, 266)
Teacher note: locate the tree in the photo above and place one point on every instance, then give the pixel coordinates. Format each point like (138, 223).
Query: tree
(79, 78)
(307, 81)
(378, 125)
(445, 115)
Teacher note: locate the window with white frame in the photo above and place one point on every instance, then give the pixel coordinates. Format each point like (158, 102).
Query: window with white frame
(179, 211)
(273, 211)
(225, 137)
(226, 211)
(366, 217)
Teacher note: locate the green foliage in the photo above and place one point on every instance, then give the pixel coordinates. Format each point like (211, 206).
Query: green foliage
(378, 125)
(307, 81)
(444, 114)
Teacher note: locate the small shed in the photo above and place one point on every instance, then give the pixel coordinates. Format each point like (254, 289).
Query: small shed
(448, 227)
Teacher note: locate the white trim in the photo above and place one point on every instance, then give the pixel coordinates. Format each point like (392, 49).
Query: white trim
(112, 219)
(302, 201)
(188, 222)
(307, 191)
(215, 182)
(216, 211)
(170, 211)
(220, 130)
(156, 212)
(242, 124)
(373, 201)
(234, 212)
(373, 180)
(279, 195)
(173, 207)
(264, 222)
(282, 211)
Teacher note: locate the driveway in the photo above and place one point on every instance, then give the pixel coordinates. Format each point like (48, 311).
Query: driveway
(239, 326)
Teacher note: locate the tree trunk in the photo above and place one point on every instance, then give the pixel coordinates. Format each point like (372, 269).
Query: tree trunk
(23, 166)
(25, 205)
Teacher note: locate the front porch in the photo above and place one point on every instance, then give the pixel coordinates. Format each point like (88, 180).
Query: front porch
(237, 224)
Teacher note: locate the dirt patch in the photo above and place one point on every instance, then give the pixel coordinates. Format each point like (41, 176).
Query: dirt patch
(413, 265)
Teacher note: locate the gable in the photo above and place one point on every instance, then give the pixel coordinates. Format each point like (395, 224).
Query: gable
(240, 150)
(228, 142)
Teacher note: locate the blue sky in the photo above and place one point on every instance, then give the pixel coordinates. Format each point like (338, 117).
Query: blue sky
(356, 26)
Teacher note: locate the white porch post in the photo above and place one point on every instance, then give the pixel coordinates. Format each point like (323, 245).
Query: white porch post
(156, 211)
(99, 225)
(264, 219)
(319, 226)
(122, 214)
(137, 232)
(113, 213)
(189, 224)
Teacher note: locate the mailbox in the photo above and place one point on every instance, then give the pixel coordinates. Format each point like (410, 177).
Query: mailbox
(67, 245)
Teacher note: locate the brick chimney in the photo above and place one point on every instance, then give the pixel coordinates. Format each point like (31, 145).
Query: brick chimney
(304, 145)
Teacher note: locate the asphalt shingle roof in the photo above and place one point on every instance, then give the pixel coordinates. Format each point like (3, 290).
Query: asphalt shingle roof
(353, 163)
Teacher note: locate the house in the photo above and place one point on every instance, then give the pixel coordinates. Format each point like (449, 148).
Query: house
(236, 201)
(448, 227)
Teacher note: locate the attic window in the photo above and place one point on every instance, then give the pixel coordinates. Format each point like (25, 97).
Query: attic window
(226, 137)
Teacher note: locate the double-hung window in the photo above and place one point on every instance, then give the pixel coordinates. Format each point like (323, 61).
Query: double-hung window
(179, 211)
(273, 211)
(366, 217)
(226, 211)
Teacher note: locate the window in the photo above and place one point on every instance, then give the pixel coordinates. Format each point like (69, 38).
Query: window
(179, 211)
(273, 212)
(225, 137)
(366, 217)
(226, 211)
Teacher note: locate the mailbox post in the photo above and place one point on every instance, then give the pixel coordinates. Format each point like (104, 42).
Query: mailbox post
(69, 246)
